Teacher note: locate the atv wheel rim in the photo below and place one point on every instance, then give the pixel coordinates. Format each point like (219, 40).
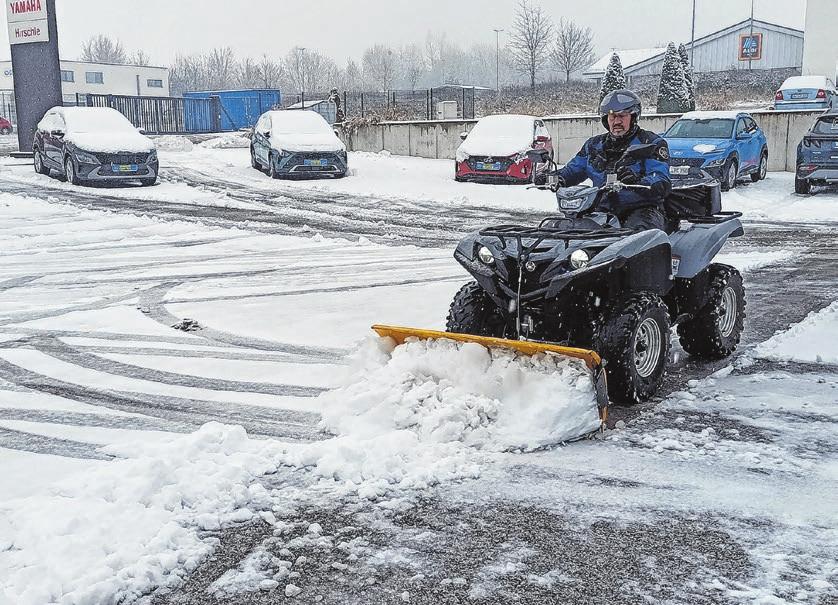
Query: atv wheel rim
(727, 312)
(763, 167)
(647, 347)
(731, 176)
(68, 169)
(38, 166)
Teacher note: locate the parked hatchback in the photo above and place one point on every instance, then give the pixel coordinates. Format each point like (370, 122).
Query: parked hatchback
(93, 144)
(496, 149)
(817, 154)
(5, 126)
(725, 144)
(297, 143)
(806, 92)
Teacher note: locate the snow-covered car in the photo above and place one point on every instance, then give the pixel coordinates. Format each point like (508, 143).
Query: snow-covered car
(297, 143)
(726, 144)
(806, 92)
(93, 144)
(5, 126)
(496, 149)
(817, 154)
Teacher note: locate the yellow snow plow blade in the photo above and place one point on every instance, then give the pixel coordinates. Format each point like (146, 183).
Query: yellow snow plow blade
(527, 347)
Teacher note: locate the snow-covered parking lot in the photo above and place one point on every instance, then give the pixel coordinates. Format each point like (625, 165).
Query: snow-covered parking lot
(193, 408)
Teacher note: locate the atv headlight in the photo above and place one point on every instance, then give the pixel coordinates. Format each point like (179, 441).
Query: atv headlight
(579, 259)
(570, 204)
(485, 255)
(87, 158)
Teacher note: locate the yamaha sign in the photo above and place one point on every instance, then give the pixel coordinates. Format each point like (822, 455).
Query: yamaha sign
(27, 21)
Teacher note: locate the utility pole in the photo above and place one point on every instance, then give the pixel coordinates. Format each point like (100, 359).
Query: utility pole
(692, 41)
(497, 59)
(752, 29)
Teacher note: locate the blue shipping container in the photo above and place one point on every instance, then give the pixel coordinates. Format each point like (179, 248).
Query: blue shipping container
(240, 108)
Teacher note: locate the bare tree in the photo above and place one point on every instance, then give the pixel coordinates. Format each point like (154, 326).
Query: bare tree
(353, 77)
(221, 68)
(530, 39)
(412, 63)
(309, 70)
(379, 63)
(574, 48)
(188, 73)
(269, 72)
(437, 54)
(138, 57)
(248, 74)
(103, 49)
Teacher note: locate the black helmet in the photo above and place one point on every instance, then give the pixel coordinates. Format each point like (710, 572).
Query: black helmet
(620, 100)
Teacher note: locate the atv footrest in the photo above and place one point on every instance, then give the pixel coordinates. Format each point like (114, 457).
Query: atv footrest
(719, 217)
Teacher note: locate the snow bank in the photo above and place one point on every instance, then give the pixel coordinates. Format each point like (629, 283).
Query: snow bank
(813, 340)
(125, 527)
(226, 141)
(444, 391)
(171, 142)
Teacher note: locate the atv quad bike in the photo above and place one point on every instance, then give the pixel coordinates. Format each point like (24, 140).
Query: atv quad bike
(578, 284)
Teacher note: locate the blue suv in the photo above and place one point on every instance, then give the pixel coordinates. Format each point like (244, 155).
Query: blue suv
(726, 144)
(817, 154)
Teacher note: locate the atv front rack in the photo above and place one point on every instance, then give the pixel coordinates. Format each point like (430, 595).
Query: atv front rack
(541, 233)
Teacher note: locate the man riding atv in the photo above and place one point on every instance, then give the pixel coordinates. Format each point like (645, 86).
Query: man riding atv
(637, 208)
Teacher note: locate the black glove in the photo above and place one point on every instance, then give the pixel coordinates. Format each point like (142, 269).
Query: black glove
(539, 178)
(626, 176)
(660, 189)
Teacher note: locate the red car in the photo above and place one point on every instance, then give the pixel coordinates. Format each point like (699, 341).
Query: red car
(5, 126)
(496, 149)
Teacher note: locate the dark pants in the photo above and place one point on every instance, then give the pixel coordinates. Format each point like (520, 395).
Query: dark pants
(640, 219)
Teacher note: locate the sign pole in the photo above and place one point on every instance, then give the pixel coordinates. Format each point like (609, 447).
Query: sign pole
(36, 70)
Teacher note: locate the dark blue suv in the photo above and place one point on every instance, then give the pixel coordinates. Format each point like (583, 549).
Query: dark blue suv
(726, 144)
(817, 154)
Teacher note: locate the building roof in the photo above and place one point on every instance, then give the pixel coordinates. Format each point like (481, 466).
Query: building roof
(639, 63)
(306, 104)
(627, 58)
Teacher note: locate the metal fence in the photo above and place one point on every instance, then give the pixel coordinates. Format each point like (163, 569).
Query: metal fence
(162, 115)
(7, 106)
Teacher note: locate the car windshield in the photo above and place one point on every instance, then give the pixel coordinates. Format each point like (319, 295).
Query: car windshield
(299, 122)
(826, 126)
(714, 128)
(96, 119)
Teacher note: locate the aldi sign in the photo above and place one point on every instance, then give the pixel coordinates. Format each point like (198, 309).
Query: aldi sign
(750, 47)
(27, 21)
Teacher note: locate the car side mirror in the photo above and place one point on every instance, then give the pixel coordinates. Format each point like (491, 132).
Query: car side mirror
(336, 131)
(140, 129)
(57, 133)
(541, 139)
(463, 136)
(742, 136)
(267, 134)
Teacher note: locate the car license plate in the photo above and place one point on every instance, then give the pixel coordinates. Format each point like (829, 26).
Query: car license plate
(485, 166)
(314, 163)
(799, 95)
(124, 168)
(679, 170)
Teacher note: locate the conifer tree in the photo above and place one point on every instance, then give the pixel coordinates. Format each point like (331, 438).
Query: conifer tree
(672, 93)
(614, 78)
(688, 76)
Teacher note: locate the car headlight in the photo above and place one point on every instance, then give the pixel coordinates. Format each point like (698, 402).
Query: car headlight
(579, 259)
(152, 156)
(461, 156)
(715, 162)
(86, 158)
(485, 255)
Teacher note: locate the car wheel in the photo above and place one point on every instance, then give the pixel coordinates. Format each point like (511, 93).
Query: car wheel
(254, 162)
(148, 182)
(730, 173)
(38, 160)
(6, 130)
(763, 168)
(802, 186)
(70, 171)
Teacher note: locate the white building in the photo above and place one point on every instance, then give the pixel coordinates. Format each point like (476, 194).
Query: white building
(820, 52)
(773, 47)
(80, 77)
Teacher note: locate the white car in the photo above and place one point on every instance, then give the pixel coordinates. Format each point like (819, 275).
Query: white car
(93, 144)
(290, 142)
(806, 92)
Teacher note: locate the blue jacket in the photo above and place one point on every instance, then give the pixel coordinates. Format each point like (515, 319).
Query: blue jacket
(601, 155)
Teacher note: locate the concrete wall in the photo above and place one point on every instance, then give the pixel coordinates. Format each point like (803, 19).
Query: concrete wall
(440, 139)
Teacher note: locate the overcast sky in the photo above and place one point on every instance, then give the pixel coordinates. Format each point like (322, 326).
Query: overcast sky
(340, 29)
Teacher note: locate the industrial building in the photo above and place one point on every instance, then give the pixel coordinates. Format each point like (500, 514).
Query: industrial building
(749, 44)
(81, 78)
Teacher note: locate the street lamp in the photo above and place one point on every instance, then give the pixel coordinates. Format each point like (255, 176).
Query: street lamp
(497, 59)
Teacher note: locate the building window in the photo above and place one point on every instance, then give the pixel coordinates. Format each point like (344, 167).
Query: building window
(94, 77)
(67, 76)
(154, 83)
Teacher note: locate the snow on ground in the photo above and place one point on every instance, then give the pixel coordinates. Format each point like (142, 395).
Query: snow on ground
(813, 340)
(111, 287)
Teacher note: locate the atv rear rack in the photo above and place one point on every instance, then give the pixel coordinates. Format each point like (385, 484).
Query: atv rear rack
(713, 219)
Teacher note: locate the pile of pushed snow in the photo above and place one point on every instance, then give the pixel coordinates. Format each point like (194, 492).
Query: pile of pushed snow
(814, 340)
(171, 142)
(124, 527)
(443, 391)
(227, 141)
